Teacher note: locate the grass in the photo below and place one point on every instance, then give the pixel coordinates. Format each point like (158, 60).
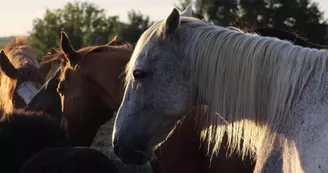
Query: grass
(5, 40)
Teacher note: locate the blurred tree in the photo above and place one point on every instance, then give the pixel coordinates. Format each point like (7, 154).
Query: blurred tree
(86, 24)
(220, 12)
(137, 24)
(300, 16)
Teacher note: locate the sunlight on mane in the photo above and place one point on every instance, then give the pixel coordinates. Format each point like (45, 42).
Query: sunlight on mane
(230, 69)
(19, 53)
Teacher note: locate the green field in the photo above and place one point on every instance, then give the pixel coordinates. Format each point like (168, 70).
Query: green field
(5, 40)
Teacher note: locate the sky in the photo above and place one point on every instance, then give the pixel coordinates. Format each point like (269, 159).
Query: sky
(16, 16)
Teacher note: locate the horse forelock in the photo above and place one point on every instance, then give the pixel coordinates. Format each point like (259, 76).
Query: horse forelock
(82, 54)
(21, 53)
(231, 69)
(154, 30)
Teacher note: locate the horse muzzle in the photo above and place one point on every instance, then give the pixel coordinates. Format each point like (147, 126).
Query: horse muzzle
(137, 155)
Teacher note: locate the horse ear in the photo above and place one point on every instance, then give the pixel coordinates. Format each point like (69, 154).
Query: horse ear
(112, 41)
(7, 67)
(187, 12)
(172, 22)
(65, 44)
(67, 48)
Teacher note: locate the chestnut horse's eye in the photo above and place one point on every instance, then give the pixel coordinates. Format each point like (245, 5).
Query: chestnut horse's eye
(138, 74)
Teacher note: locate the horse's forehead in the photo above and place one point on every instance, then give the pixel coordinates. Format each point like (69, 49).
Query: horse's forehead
(149, 53)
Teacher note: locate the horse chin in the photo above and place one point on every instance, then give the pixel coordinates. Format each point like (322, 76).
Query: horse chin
(142, 151)
(134, 144)
(134, 156)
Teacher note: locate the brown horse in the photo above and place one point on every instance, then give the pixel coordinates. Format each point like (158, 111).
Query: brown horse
(20, 75)
(95, 84)
(89, 87)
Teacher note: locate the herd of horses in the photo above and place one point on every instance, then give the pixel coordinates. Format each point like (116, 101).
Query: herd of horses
(48, 125)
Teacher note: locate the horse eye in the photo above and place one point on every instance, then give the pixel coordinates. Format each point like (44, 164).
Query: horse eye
(138, 74)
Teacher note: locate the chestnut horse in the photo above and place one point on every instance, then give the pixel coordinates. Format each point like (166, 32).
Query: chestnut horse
(88, 99)
(20, 75)
(87, 79)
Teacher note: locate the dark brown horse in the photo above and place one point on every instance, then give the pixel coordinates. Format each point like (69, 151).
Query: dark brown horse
(184, 151)
(47, 98)
(20, 75)
(23, 134)
(69, 160)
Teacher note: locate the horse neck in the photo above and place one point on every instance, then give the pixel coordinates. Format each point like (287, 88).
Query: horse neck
(244, 79)
(231, 70)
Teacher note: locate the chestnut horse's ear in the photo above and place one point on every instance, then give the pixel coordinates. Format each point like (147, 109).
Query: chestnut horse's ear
(7, 67)
(172, 22)
(112, 41)
(67, 48)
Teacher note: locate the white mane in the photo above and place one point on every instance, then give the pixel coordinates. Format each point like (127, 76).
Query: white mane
(250, 80)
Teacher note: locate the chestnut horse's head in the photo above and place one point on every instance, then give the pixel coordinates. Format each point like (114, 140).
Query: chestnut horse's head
(90, 87)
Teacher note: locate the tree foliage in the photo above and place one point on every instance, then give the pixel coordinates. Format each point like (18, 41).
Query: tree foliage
(300, 16)
(86, 24)
(137, 24)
